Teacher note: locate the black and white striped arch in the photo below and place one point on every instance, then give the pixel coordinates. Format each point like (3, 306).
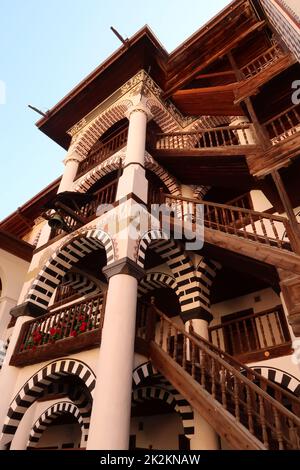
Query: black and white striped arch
(50, 415)
(62, 261)
(161, 389)
(37, 384)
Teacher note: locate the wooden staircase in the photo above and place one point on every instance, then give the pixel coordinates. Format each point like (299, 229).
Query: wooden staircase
(266, 237)
(242, 406)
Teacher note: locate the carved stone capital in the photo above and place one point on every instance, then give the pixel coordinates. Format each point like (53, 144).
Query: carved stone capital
(124, 266)
(27, 309)
(72, 157)
(139, 108)
(197, 313)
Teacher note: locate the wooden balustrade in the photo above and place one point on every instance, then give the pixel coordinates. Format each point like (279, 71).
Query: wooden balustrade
(61, 331)
(104, 196)
(263, 61)
(284, 125)
(225, 136)
(239, 389)
(268, 229)
(264, 332)
(244, 201)
(63, 292)
(102, 151)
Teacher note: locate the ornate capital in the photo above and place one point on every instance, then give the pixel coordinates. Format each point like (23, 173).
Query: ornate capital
(72, 157)
(197, 313)
(124, 266)
(139, 108)
(27, 309)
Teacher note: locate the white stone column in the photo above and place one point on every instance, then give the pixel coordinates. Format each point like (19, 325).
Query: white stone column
(133, 179)
(20, 439)
(9, 374)
(110, 418)
(205, 437)
(6, 304)
(71, 162)
(247, 136)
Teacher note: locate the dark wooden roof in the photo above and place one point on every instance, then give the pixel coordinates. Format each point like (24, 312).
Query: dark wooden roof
(171, 71)
(15, 246)
(22, 220)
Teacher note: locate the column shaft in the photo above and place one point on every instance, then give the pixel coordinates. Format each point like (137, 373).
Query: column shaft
(110, 419)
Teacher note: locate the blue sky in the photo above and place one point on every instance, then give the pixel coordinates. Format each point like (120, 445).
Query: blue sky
(47, 47)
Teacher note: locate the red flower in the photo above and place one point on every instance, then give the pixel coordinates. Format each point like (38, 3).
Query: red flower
(83, 326)
(37, 338)
(53, 331)
(81, 318)
(73, 333)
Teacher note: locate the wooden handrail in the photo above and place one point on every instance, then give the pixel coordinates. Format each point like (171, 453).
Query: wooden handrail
(246, 317)
(283, 113)
(265, 59)
(252, 225)
(266, 215)
(205, 129)
(250, 334)
(103, 151)
(64, 322)
(221, 376)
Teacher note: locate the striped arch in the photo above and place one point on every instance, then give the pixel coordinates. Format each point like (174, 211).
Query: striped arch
(205, 274)
(163, 390)
(62, 261)
(200, 191)
(85, 140)
(282, 378)
(179, 263)
(155, 280)
(50, 415)
(81, 283)
(36, 386)
(112, 164)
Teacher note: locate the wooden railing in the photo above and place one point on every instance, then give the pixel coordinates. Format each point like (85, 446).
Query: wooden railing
(105, 195)
(226, 136)
(262, 62)
(251, 225)
(240, 390)
(261, 331)
(102, 151)
(63, 292)
(283, 125)
(47, 336)
(244, 201)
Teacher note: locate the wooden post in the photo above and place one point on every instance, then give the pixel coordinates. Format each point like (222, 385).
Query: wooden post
(261, 134)
(285, 199)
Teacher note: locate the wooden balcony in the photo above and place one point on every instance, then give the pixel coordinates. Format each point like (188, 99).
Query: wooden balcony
(89, 211)
(283, 130)
(58, 333)
(258, 336)
(260, 70)
(217, 141)
(102, 151)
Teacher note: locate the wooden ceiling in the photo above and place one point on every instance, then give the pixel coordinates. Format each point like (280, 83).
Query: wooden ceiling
(224, 171)
(211, 101)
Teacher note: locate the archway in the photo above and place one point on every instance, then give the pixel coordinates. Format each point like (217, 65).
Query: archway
(62, 261)
(37, 385)
(50, 417)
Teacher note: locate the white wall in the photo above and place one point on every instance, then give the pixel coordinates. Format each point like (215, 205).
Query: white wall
(159, 431)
